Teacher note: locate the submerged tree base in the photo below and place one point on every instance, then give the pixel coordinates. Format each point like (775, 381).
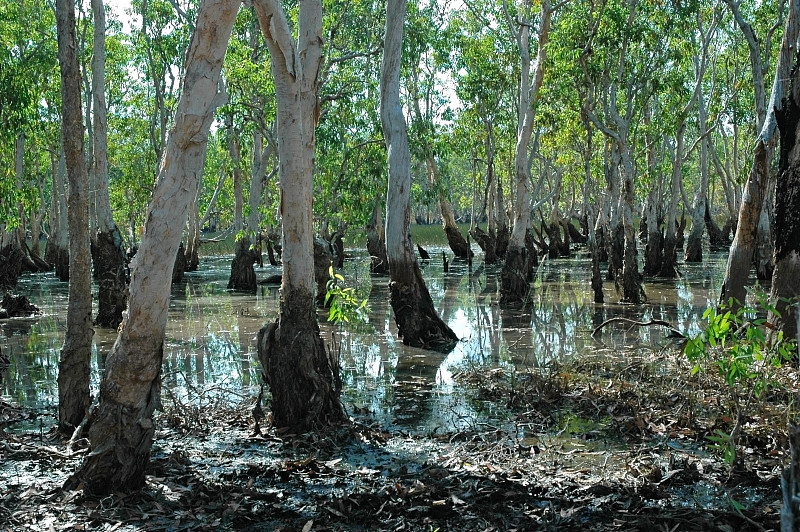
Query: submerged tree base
(109, 268)
(302, 376)
(418, 324)
(243, 274)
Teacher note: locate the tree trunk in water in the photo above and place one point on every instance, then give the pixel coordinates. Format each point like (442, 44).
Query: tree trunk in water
(303, 379)
(517, 270)
(417, 322)
(57, 251)
(376, 240)
(192, 253)
(74, 360)
(107, 250)
(786, 277)
(456, 241)
(740, 258)
(595, 250)
(122, 429)
(243, 273)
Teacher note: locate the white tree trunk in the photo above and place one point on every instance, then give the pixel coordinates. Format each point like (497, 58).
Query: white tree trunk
(122, 428)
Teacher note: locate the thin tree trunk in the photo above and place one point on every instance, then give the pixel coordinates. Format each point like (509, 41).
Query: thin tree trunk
(417, 322)
(122, 429)
(376, 239)
(518, 267)
(73, 363)
(107, 252)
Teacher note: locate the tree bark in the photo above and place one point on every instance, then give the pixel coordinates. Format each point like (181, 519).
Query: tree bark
(785, 291)
(122, 429)
(107, 252)
(740, 258)
(376, 240)
(303, 379)
(417, 322)
(73, 363)
(518, 268)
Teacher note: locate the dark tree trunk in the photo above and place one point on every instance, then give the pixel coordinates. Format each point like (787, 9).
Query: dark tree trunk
(653, 257)
(574, 234)
(303, 378)
(243, 274)
(501, 241)
(376, 242)
(61, 264)
(487, 242)
(615, 247)
(694, 244)
(458, 244)
(337, 247)
(515, 279)
(109, 267)
(323, 259)
(716, 237)
(11, 258)
(669, 260)
(786, 277)
(180, 265)
(417, 322)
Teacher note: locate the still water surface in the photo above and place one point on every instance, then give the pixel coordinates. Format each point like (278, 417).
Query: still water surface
(210, 351)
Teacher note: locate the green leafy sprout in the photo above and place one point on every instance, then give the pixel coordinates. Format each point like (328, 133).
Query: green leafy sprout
(345, 305)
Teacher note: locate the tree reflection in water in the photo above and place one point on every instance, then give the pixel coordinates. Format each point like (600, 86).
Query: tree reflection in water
(209, 345)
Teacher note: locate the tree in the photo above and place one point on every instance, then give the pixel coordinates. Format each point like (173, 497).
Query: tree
(122, 429)
(740, 258)
(518, 267)
(73, 363)
(417, 322)
(785, 292)
(107, 252)
(303, 379)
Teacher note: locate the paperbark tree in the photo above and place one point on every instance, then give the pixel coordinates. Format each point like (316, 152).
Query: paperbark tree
(108, 252)
(417, 322)
(122, 428)
(248, 244)
(518, 267)
(740, 258)
(73, 363)
(303, 379)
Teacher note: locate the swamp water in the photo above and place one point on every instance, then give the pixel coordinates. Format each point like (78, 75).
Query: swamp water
(210, 353)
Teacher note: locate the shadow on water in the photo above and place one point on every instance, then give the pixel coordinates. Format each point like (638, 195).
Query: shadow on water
(210, 351)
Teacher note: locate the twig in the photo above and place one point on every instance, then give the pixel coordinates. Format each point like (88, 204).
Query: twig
(661, 323)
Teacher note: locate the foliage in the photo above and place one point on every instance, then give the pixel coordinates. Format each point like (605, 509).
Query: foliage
(735, 343)
(344, 303)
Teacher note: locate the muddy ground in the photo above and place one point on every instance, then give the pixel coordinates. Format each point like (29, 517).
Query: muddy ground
(610, 444)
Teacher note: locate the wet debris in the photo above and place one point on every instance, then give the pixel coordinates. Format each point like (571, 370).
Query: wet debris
(16, 306)
(610, 445)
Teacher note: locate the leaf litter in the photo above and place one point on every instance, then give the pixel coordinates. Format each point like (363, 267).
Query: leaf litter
(607, 443)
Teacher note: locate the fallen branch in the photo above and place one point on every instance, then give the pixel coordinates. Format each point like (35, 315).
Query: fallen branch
(634, 323)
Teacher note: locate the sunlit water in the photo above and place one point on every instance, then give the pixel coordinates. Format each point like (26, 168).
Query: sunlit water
(210, 344)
